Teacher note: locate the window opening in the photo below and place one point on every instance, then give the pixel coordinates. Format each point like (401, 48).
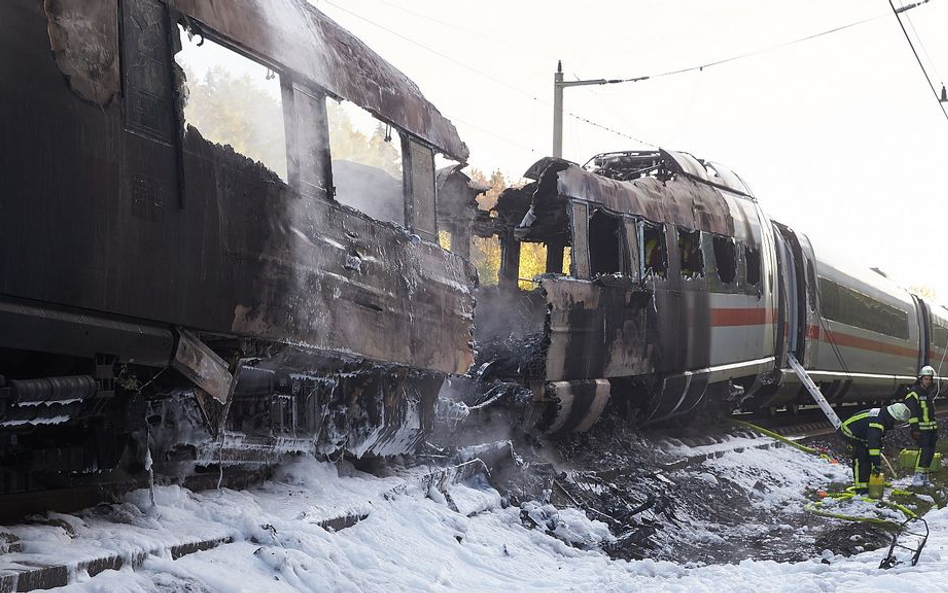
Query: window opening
(485, 255)
(652, 249)
(532, 263)
(725, 258)
(605, 242)
(366, 162)
(445, 240)
(752, 262)
(557, 258)
(689, 253)
(850, 307)
(233, 100)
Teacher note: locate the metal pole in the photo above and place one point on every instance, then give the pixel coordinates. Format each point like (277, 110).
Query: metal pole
(558, 86)
(558, 111)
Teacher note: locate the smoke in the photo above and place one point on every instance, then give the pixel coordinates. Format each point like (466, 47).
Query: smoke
(369, 189)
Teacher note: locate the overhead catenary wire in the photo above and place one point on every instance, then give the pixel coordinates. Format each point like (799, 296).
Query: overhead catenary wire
(486, 75)
(586, 120)
(921, 43)
(705, 65)
(895, 12)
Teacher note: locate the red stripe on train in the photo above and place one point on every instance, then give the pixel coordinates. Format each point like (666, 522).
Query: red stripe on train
(850, 341)
(732, 317)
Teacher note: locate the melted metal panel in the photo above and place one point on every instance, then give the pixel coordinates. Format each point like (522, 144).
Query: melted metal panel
(84, 38)
(680, 201)
(597, 331)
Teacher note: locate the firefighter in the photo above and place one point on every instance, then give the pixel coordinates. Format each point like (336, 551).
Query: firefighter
(863, 431)
(920, 402)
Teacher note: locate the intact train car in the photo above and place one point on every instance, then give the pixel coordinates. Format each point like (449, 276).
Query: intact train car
(143, 255)
(861, 337)
(681, 298)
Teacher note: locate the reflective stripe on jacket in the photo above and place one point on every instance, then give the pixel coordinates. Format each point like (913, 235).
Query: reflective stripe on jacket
(922, 407)
(869, 426)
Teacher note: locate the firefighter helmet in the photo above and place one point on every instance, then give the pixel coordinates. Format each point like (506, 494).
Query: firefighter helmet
(899, 411)
(926, 371)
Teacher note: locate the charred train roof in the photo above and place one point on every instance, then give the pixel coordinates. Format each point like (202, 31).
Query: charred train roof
(308, 43)
(287, 35)
(660, 186)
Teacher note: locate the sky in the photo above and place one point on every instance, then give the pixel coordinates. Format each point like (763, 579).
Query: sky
(840, 136)
(412, 540)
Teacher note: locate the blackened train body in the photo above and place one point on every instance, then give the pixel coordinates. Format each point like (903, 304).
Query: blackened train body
(682, 298)
(155, 282)
(160, 290)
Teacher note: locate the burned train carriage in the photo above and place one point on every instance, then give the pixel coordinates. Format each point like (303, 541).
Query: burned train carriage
(131, 244)
(681, 297)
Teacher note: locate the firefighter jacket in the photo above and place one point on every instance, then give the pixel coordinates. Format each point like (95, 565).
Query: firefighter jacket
(868, 427)
(922, 405)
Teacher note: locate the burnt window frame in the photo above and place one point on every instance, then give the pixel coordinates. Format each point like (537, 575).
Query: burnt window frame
(284, 79)
(753, 262)
(645, 267)
(696, 269)
(726, 243)
(619, 243)
(413, 147)
(579, 265)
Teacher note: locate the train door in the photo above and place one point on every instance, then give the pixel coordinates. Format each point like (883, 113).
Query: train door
(796, 279)
(784, 292)
(924, 331)
(811, 325)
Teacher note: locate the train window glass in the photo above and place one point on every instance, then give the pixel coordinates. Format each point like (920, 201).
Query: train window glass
(485, 255)
(939, 337)
(605, 244)
(366, 162)
(689, 253)
(652, 249)
(233, 100)
(845, 305)
(725, 258)
(752, 263)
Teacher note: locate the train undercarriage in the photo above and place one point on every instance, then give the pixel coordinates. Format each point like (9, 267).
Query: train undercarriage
(217, 401)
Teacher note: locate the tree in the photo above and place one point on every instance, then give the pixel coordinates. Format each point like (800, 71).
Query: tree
(237, 110)
(926, 292)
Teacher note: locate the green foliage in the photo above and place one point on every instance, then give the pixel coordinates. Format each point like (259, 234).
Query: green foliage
(485, 252)
(348, 143)
(237, 110)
